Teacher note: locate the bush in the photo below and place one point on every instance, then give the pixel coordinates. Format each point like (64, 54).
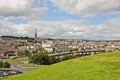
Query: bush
(67, 58)
(26, 53)
(1, 64)
(4, 64)
(52, 60)
(40, 51)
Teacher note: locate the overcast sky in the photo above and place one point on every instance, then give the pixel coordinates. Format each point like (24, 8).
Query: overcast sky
(73, 19)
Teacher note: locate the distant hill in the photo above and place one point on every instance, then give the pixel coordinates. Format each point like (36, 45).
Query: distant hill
(29, 39)
(104, 66)
(15, 37)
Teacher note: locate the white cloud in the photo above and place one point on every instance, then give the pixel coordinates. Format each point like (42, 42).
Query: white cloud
(7, 28)
(58, 29)
(88, 8)
(21, 8)
(64, 29)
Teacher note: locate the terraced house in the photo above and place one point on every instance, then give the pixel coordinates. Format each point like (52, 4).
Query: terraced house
(8, 51)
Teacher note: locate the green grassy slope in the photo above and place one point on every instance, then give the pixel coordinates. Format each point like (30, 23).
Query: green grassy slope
(19, 59)
(104, 66)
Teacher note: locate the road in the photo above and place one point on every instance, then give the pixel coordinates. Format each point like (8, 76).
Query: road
(16, 66)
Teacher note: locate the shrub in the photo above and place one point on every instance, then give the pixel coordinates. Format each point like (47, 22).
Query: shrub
(67, 58)
(4, 64)
(26, 53)
(52, 60)
(1, 64)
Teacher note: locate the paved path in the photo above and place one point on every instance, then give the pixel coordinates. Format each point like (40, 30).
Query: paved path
(16, 66)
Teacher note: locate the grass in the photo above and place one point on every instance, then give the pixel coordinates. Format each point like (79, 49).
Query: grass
(18, 59)
(104, 66)
(31, 65)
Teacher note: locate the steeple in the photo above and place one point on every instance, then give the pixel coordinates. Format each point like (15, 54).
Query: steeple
(35, 39)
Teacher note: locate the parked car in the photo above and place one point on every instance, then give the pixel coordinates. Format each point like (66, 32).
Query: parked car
(16, 71)
(10, 73)
(5, 74)
(1, 74)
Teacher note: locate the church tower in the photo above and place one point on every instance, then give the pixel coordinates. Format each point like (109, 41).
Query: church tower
(35, 39)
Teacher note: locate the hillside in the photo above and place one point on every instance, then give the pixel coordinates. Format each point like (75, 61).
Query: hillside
(104, 66)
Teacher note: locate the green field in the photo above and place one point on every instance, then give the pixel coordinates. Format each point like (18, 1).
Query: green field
(31, 65)
(18, 59)
(104, 66)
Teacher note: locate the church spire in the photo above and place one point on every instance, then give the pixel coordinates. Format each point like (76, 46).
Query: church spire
(35, 39)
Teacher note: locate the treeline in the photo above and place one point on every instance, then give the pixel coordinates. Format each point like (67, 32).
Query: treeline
(22, 38)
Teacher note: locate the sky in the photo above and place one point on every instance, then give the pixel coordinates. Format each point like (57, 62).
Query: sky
(69, 19)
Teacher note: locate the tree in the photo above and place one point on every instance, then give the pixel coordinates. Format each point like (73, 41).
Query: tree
(39, 59)
(6, 65)
(42, 58)
(40, 51)
(1, 64)
(74, 49)
(26, 53)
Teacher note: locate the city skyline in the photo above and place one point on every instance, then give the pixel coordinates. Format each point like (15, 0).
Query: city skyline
(72, 19)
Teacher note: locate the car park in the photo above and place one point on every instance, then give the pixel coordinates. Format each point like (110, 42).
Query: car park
(9, 72)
